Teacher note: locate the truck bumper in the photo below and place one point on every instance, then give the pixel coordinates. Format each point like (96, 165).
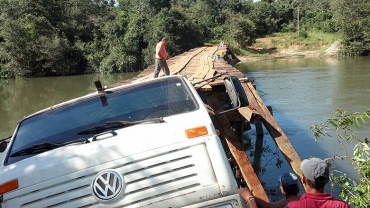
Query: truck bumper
(231, 201)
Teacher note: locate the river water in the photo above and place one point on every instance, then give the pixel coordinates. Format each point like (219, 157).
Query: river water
(21, 97)
(301, 92)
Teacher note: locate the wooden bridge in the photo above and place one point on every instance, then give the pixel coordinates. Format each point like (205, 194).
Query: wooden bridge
(207, 75)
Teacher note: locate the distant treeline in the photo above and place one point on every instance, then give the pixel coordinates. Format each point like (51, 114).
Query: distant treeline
(67, 37)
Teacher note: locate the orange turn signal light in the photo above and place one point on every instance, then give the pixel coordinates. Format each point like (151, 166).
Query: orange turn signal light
(196, 132)
(8, 186)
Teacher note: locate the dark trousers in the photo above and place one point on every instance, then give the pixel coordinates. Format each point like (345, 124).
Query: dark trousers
(161, 64)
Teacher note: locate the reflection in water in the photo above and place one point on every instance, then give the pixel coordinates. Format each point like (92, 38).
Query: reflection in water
(303, 92)
(21, 97)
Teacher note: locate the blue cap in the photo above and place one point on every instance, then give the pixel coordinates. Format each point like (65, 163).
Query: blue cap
(288, 179)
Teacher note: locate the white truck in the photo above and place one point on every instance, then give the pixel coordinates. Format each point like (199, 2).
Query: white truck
(146, 144)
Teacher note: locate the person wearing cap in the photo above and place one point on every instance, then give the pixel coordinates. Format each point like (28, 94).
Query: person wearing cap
(160, 58)
(288, 183)
(315, 175)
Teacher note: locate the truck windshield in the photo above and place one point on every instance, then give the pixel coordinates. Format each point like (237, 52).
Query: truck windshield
(146, 100)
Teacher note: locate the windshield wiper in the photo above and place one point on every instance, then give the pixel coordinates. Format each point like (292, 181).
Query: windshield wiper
(43, 147)
(117, 124)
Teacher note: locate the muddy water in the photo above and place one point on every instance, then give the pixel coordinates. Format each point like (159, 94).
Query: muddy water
(303, 92)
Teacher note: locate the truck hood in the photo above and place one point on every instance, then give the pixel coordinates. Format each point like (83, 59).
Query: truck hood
(128, 141)
(156, 161)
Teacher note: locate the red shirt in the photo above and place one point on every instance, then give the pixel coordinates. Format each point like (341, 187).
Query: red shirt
(317, 200)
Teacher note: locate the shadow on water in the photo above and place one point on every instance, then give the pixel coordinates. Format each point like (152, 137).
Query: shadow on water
(267, 160)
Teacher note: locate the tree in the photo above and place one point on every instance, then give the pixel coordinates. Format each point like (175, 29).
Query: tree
(149, 7)
(182, 34)
(123, 43)
(264, 18)
(242, 32)
(201, 14)
(41, 36)
(353, 18)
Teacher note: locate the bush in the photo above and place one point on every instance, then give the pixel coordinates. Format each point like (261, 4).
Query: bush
(355, 192)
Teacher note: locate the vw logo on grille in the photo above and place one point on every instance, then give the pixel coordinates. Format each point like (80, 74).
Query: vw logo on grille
(107, 185)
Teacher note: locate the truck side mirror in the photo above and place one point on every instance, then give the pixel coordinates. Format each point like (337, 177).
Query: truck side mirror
(100, 89)
(231, 91)
(3, 145)
(236, 92)
(240, 91)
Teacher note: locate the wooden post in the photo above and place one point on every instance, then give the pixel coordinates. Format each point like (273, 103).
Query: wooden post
(273, 128)
(259, 129)
(247, 114)
(237, 150)
(258, 152)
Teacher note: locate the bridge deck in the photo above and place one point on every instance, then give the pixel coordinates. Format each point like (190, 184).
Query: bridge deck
(197, 64)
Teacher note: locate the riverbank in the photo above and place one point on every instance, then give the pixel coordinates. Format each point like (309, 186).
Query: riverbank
(292, 51)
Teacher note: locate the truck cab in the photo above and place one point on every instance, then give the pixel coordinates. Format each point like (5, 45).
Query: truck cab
(145, 144)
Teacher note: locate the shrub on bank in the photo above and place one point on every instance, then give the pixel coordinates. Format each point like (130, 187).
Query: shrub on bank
(341, 127)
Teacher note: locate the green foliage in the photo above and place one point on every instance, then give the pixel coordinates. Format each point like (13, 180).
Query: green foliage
(40, 36)
(264, 18)
(107, 43)
(149, 7)
(201, 13)
(48, 38)
(318, 15)
(353, 18)
(121, 54)
(220, 32)
(182, 34)
(241, 32)
(342, 125)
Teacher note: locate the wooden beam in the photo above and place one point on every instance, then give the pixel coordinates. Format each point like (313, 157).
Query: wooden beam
(246, 112)
(273, 128)
(237, 150)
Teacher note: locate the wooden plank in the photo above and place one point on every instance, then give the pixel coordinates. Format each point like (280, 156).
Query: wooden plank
(204, 71)
(273, 128)
(205, 64)
(237, 150)
(246, 112)
(185, 60)
(176, 65)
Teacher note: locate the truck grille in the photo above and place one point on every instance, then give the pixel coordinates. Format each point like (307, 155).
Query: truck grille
(150, 177)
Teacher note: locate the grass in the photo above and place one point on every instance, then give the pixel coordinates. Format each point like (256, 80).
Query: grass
(311, 40)
(306, 41)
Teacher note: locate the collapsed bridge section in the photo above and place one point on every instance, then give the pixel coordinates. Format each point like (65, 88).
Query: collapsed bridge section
(207, 68)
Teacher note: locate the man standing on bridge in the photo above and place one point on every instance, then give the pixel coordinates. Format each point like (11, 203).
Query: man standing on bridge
(160, 58)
